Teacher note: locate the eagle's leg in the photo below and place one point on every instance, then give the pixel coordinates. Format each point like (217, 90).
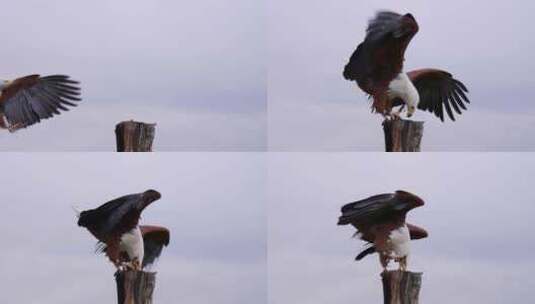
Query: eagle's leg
(384, 258)
(397, 114)
(119, 265)
(130, 265)
(402, 263)
(388, 115)
(136, 264)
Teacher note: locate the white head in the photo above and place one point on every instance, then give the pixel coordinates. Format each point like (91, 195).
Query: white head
(402, 87)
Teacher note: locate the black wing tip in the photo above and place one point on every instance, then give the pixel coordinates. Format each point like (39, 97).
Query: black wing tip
(151, 195)
(386, 13)
(82, 219)
(61, 78)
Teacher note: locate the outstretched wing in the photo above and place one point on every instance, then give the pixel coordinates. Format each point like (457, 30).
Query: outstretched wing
(27, 100)
(379, 59)
(154, 239)
(438, 90)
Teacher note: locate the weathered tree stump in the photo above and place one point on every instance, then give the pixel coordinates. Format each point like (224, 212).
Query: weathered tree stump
(135, 287)
(403, 135)
(401, 287)
(134, 136)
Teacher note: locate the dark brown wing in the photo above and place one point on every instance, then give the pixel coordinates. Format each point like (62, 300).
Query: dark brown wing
(416, 232)
(439, 91)
(154, 239)
(379, 209)
(29, 99)
(379, 59)
(116, 216)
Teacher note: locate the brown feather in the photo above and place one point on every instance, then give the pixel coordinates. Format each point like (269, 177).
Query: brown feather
(156, 233)
(17, 85)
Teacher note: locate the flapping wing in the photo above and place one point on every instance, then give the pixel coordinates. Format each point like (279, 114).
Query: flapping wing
(379, 59)
(154, 239)
(119, 215)
(29, 99)
(439, 91)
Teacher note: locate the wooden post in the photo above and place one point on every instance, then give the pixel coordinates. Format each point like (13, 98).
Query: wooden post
(135, 287)
(403, 135)
(134, 136)
(401, 287)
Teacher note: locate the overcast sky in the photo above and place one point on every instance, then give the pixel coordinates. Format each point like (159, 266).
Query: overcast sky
(479, 215)
(213, 205)
(196, 68)
(486, 44)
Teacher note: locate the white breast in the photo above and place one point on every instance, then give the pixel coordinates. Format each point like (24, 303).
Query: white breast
(402, 87)
(399, 241)
(132, 243)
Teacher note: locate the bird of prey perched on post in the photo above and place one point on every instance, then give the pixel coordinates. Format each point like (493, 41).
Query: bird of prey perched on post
(26, 100)
(380, 221)
(377, 67)
(115, 225)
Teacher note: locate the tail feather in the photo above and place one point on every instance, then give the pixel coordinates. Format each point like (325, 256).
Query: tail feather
(365, 252)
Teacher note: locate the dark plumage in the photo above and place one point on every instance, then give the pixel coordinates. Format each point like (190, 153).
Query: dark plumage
(109, 222)
(377, 67)
(438, 90)
(380, 220)
(27, 100)
(154, 239)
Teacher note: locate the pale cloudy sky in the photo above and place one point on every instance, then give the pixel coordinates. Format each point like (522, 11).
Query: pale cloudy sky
(213, 205)
(479, 215)
(486, 44)
(196, 68)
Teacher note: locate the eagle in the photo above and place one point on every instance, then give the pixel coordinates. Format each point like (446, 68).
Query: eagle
(377, 67)
(115, 226)
(380, 221)
(26, 100)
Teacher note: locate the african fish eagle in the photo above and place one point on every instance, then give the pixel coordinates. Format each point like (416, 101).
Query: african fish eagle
(377, 67)
(26, 100)
(380, 221)
(115, 225)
